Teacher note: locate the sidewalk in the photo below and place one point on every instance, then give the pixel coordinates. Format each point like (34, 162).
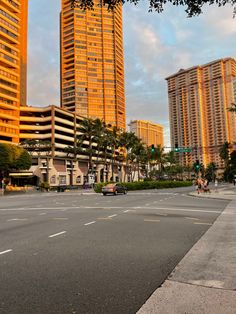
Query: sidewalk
(204, 282)
(227, 192)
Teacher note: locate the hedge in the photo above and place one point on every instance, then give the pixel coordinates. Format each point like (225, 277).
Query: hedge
(147, 185)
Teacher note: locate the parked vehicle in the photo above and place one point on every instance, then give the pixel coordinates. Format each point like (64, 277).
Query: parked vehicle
(114, 188)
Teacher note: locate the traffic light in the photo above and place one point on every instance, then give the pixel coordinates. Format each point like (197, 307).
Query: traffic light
(153, 151)
(177, 149)
(197, 165)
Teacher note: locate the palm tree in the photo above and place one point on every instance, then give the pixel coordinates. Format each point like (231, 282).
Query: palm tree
(133, 150)
(113, 142)
(210, 171)
(140, 154)
(160, 158)
(100, 127)
(170, 158)
(224, 153)
(88, 130)
(125, 143)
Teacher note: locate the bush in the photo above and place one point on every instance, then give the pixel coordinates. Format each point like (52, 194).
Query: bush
(147, 185)
(45, 186)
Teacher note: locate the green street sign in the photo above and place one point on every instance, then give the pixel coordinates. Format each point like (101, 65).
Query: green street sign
(187, 150)
(183, 150)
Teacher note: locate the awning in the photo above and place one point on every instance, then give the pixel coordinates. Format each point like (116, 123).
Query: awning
(21, 174)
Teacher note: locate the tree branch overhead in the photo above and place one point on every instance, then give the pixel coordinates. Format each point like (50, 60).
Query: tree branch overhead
(192, 7)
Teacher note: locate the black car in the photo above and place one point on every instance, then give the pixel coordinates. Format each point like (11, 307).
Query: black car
(114, 188)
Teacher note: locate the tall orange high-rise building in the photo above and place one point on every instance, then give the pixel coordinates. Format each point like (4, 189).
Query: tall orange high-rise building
(13, 64)
(92, 63)
(199, 98)
(150, 133)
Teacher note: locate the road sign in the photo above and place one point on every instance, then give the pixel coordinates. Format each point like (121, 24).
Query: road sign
(187, 150)
(183, 150)
(91, 178)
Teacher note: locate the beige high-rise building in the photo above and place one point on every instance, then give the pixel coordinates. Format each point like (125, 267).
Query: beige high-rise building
(92, 63)
(150, 133)
(13, 64)
(198, 101)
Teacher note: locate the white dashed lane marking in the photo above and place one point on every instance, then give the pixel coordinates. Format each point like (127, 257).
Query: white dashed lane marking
(104, 218)
(89, 223)
(4, 252)
(17, 219)
(112, 216)
(60, 218)
(191, 218)
(57, 234)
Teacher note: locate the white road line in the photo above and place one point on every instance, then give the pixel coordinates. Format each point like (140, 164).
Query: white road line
(162, 208)
(151, 220)
(112, 216)
(4, 252)
(202, 223)
(192, 210)
(191, 218)
(129, 210)
(60, 218)
(134, 207)
(41, 214)
(12, 209)
(56, 234)
(17, 219)
(104, 218)
(89, 223)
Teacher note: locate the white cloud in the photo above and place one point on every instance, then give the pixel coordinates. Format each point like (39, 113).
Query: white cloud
(161, 45)
(156, 46)
(43, 54)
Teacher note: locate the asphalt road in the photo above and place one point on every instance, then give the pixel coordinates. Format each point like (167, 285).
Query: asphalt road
(69, 253)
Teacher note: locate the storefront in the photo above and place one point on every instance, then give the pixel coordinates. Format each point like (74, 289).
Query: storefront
(23, 178)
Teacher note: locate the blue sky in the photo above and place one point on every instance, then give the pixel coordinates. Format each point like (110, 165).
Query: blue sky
(156, 46)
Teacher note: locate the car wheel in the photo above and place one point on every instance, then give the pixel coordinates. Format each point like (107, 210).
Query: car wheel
(125, 192)
(115, 193)
(104, 194)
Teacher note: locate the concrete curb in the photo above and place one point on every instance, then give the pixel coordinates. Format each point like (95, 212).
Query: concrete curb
(213, 195)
